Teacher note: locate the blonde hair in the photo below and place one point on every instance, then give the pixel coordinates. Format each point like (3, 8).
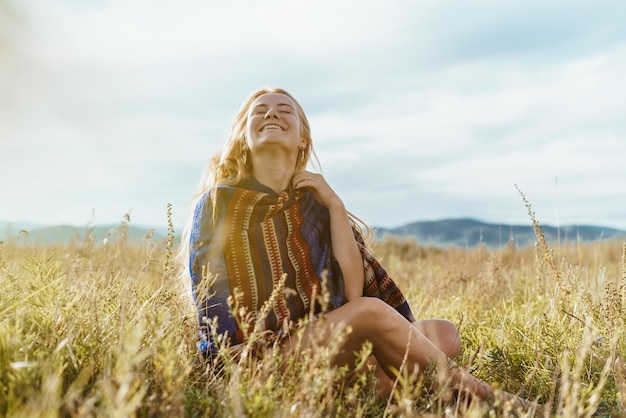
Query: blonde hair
(230, 166)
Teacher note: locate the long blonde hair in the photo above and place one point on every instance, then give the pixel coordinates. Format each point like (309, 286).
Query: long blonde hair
(230, 165)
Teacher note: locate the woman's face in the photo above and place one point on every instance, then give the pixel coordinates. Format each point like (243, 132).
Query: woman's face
(273, 121)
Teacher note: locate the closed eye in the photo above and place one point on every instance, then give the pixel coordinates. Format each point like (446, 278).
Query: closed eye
(282, 108)
(285, 108)
(259, 110)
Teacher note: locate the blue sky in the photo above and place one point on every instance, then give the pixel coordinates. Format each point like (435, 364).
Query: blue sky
(420, 110)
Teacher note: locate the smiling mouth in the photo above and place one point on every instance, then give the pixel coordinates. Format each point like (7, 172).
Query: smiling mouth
(266, 127)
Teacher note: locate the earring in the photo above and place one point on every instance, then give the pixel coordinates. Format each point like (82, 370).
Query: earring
(245, 156)
(302, 155)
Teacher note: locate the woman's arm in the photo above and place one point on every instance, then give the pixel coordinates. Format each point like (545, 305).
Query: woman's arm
(345, 248)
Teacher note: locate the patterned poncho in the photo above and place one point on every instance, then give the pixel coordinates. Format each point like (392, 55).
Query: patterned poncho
(256, 237)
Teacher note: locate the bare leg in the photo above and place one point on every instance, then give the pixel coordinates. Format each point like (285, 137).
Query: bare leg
(384, 385)
(443, 333)
(391, 335)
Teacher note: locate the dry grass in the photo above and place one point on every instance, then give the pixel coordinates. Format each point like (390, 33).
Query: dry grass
(107, 330)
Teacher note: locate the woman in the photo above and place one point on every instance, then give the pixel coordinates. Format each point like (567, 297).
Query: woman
(264, 221)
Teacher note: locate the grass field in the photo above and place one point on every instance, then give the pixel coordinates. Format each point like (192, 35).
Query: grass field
(107, 330)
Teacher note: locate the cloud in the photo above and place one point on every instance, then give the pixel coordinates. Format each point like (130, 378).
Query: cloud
(434, 109)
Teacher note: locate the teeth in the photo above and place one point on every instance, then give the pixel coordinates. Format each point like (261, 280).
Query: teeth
(271, 127)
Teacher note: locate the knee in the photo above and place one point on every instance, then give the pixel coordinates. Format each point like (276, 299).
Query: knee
(452, 337)
(443, 333)
(368, 307)
(368, 313)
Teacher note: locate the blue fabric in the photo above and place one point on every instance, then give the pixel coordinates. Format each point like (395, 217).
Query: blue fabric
(257, 235)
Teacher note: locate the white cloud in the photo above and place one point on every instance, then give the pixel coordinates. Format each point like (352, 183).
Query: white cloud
(435, 108)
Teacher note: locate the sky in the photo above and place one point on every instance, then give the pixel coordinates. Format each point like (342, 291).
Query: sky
(419, 109)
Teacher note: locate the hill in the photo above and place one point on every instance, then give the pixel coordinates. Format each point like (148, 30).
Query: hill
(33, 233)
(466, 232)
(462, 232)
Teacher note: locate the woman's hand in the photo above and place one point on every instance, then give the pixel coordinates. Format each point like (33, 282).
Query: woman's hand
(319, 188)
(344, 245)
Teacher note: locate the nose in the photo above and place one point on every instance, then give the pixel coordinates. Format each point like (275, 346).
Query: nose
(271, 113)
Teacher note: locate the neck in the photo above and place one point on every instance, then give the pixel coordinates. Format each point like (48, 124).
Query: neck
(275, 173)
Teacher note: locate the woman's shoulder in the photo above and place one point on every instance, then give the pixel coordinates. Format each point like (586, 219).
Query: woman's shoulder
(202, 199)
(212, 199)
(206, 196)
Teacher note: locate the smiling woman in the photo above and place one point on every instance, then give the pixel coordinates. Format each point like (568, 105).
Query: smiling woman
(273, 136)
(267, 237)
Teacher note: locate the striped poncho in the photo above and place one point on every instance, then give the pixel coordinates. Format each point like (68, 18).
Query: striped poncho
(255, 238)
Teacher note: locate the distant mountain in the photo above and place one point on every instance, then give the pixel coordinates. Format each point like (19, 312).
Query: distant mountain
(33, 233)
(461, 232)
(17, 226)
(470, 233)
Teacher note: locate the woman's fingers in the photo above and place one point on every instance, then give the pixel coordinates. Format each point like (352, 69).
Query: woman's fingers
(316, 183)
(307, 179)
